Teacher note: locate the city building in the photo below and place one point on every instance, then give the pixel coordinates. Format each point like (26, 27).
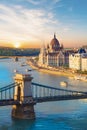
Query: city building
(84, 62)
(78, 61)
(53, 55)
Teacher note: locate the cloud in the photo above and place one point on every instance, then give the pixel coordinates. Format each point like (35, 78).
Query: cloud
(34, 2)
(38, 2)
(66, 29)
(18, 23)
(46, 4)
(56, 1)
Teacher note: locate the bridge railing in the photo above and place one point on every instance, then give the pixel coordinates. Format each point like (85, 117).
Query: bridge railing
(39, 91)
(43, 91)
(7, 92)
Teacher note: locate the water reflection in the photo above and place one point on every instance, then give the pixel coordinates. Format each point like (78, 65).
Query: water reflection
(22, 124)
(19, 125)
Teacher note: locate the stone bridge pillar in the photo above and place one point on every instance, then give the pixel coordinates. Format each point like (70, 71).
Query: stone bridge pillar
(23, 94)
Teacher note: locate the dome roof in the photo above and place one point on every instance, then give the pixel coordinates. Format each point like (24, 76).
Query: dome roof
(55, 44)
(81, 50)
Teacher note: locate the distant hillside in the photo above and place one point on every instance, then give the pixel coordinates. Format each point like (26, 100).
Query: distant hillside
(18, 52)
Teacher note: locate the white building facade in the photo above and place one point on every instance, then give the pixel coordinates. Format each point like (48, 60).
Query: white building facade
(84, 62)
(78, 61)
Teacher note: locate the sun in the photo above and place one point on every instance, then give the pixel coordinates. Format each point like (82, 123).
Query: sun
(17, 44)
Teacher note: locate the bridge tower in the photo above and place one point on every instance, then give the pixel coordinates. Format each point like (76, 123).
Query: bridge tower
(23, 94)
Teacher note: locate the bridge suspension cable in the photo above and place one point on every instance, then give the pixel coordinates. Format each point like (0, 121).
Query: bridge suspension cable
(7, 94)
(40, 93)
(43, 93)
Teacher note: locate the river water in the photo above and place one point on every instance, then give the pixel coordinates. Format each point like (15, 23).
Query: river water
(58, 115)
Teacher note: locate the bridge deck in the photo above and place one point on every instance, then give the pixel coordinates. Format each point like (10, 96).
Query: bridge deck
(8, 102)
(43, 99)
(40, 93)
(59, 98)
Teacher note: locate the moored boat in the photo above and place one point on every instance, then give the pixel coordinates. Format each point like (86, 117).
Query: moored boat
(80, 77)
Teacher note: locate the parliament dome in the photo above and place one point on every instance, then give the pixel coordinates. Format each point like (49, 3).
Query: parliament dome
(55, 44)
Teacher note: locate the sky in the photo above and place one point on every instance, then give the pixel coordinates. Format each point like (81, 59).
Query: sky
(31, 23)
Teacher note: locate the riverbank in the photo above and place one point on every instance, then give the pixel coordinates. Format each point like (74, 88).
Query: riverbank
(4, 57)
(50, 71)
(61, 72)
(56, 72)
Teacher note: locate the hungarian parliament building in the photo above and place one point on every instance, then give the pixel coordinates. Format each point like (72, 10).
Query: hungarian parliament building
(54, 55)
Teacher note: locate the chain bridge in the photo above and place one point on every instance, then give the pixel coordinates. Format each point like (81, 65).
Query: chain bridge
(24, 94)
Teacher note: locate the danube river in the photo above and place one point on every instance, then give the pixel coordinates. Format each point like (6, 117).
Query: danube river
(59, 115)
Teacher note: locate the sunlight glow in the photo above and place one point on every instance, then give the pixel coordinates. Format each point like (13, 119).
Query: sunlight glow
(17, 44)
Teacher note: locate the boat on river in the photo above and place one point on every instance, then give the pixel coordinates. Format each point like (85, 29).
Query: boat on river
(80, 77)
(23, 64)
(64, 84)
(16, 59)
(15, 71)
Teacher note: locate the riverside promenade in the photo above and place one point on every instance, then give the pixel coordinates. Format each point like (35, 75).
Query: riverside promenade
(51, 70)
(57, 71)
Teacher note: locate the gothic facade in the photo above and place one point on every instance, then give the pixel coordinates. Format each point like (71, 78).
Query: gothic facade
(52, 55)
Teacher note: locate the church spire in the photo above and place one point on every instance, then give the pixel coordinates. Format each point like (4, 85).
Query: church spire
(54, 35)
